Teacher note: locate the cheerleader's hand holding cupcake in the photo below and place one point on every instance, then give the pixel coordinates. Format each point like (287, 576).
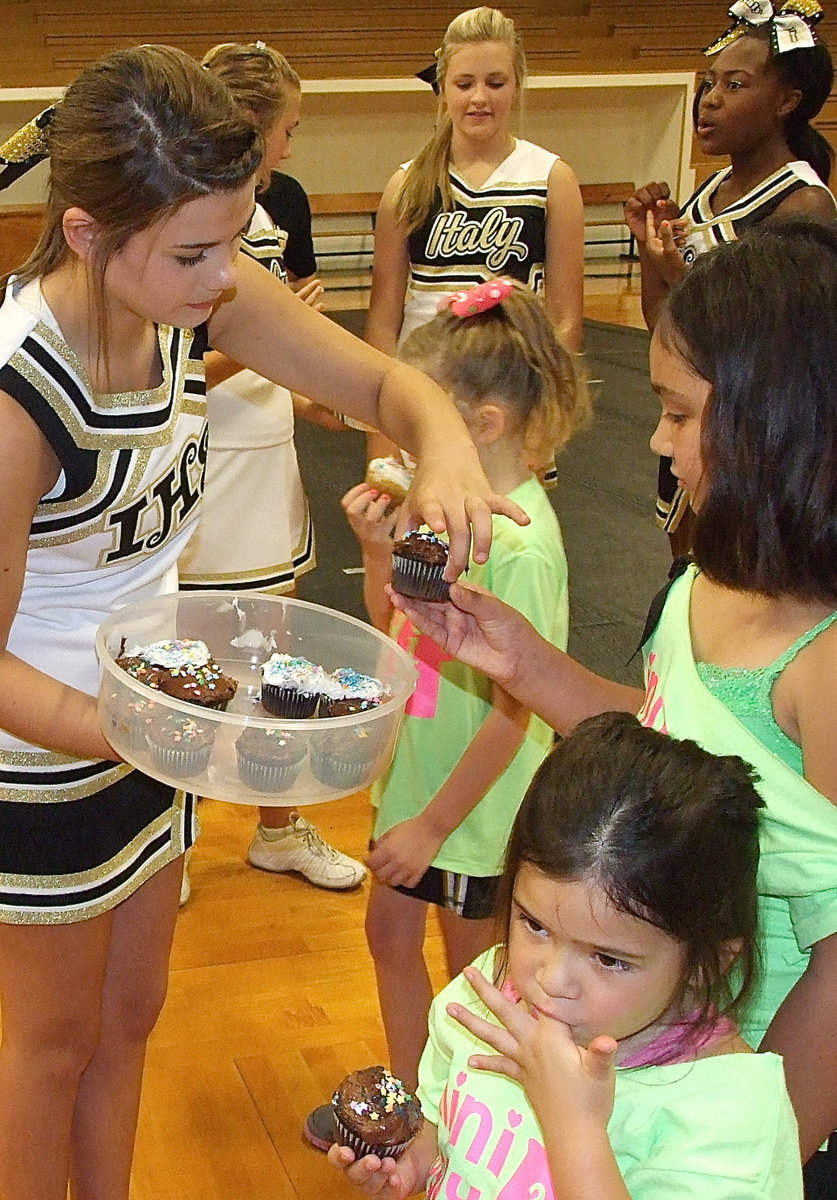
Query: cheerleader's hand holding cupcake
(451, 470)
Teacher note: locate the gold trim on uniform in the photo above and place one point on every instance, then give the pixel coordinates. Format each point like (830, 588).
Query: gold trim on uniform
(79, 911)
(295, 569)
(106, 401)
(23, 792)
(168, 394)
(95, 875)
(155, 399)
(527, 192)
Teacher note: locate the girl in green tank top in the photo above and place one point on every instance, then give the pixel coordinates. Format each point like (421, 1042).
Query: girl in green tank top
(744, 656)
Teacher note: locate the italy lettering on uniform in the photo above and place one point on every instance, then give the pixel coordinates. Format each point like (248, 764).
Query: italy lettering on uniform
(150, 520)
(498, 228)
(494, 236)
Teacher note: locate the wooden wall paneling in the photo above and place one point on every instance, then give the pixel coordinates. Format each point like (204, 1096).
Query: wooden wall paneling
(19, 229)
(49, 41)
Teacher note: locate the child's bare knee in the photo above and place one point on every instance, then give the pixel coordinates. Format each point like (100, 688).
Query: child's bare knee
(391, 940)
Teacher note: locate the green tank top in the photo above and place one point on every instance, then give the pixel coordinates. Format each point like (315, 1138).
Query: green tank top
(747, 694)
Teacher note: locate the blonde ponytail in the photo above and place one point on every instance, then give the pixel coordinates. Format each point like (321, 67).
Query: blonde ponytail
(429, 170)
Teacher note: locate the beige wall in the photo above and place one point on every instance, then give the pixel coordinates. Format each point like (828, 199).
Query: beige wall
(354, 142)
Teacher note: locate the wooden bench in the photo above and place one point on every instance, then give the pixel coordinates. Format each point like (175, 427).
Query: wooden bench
(20, 228)
(598, 194)
(365, 204)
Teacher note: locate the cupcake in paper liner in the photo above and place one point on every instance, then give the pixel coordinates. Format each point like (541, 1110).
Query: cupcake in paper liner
(269, 760)
(291, 687)
(375, 1114)
(347, 692)
(345, 758)
(179, 745)
(418, 566)
(135, 720)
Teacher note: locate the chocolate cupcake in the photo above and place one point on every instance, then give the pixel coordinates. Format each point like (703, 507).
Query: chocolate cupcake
(345, 758)
(375, 1114)
(269, 760)
(135, 722)
(180, 745)
(183, 669)
(347, 691)
(291, 687)
(418, 564)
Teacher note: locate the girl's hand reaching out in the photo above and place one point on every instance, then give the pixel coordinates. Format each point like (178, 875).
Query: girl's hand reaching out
(475, 627)
(366, 512)
(388, 1178)
(571, 1088)
(450, 493)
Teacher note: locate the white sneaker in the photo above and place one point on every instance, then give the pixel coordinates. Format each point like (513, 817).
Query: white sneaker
(300, 848)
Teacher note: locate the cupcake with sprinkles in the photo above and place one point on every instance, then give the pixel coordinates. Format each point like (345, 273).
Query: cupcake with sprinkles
(135, 721)
(181, 668)
(291, 687)
(375, 1114)
(347, 691)
(392, 476)
(418, 566)
(345, 758)
(180, 745)
(269, 760)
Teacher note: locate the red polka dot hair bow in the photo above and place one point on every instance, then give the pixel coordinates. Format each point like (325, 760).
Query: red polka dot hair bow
(479, 299)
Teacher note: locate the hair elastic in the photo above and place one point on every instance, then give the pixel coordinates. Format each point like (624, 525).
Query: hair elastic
(25, 148)
(791, 26)
(479, 299)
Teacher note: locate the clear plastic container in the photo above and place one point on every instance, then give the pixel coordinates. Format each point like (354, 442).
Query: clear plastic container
(321, 759)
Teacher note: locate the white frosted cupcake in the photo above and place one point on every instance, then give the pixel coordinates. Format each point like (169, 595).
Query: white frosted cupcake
(291, 687)
(391, 476)
(348, 691)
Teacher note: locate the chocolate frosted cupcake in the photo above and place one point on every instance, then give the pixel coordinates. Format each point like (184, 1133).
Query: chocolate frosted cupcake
(344, 758)
(418, 564)
(268, 759)
(291, 687)
(375, 1114)
(136, 720)
(183, 669)
(180, 745)
(347, 691)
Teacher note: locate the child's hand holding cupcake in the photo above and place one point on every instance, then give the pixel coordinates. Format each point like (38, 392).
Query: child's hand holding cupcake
(382, 1142)
(372, 518)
